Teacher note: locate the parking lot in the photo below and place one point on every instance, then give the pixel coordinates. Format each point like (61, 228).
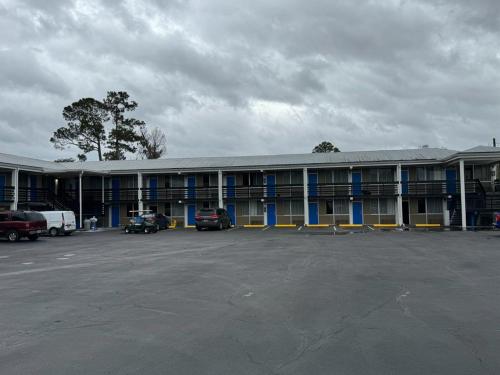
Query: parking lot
(249, 301)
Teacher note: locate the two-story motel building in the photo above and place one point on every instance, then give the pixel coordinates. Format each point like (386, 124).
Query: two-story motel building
(403, 187)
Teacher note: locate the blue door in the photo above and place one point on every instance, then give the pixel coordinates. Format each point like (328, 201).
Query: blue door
(312, 182)
(33, 191)
(313, 213)
(230, 182)
(357, 213)
(153, 188)
(2, 187)
(115, 189)
(191, 214)
(231, 212)
(404, 182)
(271, 213)
(115, 216)
(451, 181)
(191, 189)
(271, 185)
(356, 184)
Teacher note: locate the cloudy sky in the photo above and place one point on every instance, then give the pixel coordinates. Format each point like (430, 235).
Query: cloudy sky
(227, 77)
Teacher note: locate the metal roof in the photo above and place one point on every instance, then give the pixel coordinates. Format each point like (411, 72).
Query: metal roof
(259, 161)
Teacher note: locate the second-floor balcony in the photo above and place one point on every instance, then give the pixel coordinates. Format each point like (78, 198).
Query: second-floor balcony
(7, 194)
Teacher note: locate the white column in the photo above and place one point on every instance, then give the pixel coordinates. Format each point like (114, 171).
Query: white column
(80, 198)
(140, 205)
(349, 179)
(306, 197)
(219, 189)
(400, 197)
(15, 184)
(462, 195)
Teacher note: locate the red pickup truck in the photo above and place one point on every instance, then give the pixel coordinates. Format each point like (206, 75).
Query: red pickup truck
(17, 224)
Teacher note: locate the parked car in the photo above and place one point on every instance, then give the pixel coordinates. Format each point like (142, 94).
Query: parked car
(160, 220)
(17, 224)
(208, 218)
(497, 217)
(60, 222)
(141, 224)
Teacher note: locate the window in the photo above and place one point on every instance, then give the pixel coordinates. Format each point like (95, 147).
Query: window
(387, 206)
(371, 175)
(4, 217)
(434, 205)
(340, 176)
(434, 174)
(206, 180)
(341, 206)
(385, 175)
(177, 209)
(371, 206)
(297, 208)
(246, 179)
(329, 207)
(256, 179)
(154, 209)
(177, 181)
(482, 173)
(297, 178)
(167, 182)
(421, 175)
(18, 216)
(421, 206)
(243, 209)
(206, 204)
(256, 208)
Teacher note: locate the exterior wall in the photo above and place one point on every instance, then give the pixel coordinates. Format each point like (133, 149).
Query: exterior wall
(248, 212)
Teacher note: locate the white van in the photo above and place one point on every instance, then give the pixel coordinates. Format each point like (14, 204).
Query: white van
(60, 222)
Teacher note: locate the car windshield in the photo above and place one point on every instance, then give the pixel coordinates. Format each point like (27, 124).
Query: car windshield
(207, 211)
(138, 220)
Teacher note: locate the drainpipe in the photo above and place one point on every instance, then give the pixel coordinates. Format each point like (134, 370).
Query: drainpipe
(219, 189)
(462, 194)
(306, 197)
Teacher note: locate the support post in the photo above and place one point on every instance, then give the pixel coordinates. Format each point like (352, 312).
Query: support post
(462, 195)
(140, 205)
(80, 198)
(15, 184)
(219, 189)
(400, 197)
(306, 197)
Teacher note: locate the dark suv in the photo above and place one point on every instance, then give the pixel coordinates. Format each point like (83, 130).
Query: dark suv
(17, 224)
(212, 218)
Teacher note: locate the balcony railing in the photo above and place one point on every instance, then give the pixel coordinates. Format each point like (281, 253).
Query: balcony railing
(179, 193)
(7, 194)
(355, 189)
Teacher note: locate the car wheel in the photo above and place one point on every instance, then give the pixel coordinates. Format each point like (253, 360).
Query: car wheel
(33, 237)
(127, 230)
(221, 226)
(198, 228)
(146, 230)
(53, 232)
(13, 236)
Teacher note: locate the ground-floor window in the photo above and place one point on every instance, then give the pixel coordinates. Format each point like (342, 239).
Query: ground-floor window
(434, 205)
(297, 207)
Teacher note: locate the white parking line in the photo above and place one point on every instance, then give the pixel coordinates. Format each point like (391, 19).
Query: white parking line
(69, 255)
(27, 263)
(62, 258)
(266, 228)
(4, 256)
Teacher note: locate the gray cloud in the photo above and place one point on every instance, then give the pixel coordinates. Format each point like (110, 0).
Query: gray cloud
(229, 77)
